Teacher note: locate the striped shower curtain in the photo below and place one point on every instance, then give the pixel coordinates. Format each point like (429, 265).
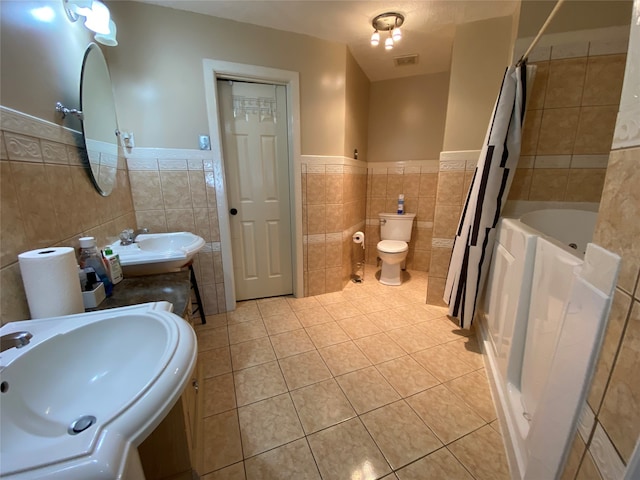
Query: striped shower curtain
(473, 245)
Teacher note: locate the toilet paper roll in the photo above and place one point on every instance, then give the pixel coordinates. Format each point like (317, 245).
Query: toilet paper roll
(358, 237)
(50, 279)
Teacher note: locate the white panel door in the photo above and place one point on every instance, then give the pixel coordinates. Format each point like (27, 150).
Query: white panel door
(256, 161)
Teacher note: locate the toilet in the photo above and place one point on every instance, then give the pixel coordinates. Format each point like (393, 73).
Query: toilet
(395, 232)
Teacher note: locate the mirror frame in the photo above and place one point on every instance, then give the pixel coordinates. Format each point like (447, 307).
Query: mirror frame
(100, 132)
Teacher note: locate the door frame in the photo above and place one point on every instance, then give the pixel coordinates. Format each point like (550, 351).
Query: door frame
(215, 70)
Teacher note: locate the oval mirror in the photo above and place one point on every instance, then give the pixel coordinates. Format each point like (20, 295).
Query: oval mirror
(99, 126)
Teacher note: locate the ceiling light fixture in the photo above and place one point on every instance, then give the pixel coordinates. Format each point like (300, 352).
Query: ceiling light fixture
(97, 19)
(387, 22)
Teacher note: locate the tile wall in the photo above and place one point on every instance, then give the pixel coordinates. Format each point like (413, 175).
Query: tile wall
(417, 180)
(333, 209)
(569, 123)
(48, 199)
(174, 190)
(610, 426)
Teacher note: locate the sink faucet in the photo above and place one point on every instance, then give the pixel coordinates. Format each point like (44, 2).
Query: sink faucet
(15, 339)
(128, 236)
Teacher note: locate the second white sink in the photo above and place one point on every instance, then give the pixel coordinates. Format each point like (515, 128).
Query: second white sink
(158, 252)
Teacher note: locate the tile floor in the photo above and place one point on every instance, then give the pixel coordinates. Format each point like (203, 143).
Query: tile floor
(365, 383)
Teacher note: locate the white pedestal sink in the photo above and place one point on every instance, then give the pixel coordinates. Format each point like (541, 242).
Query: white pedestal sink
(158, 252)
(78, 400)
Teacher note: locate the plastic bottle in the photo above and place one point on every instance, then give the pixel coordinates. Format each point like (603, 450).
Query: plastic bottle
(401, 204)
(90, 257)
(113, 264)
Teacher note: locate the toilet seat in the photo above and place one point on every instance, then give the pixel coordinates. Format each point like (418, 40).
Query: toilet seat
(392, 246)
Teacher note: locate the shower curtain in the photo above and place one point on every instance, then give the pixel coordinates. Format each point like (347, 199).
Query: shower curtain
(473, 245)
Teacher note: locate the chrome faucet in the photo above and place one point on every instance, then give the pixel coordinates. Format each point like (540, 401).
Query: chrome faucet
(128, 236)
(15, 339)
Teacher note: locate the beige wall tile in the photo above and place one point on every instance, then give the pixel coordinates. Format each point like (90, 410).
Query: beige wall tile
(333, 254)
(175, 189)
(68, 217)
(595, 130)
(13, 238)
(428, 184)
(435, 290)
(198, 189)
(575, 457)
(22, 148)
(379, 185)
(620, 309)
(621, 202)
(334, 218)
(334, 188)
(450, 188)
(521, 184)
(426, 209)
(557, 131)
(421, 260)
(13, 301)
(395, 185)
(180, 220)
(316, 219)
(316, 189)
(411, 184)
(565, 83)
(603, 84)
(146, 190)
(620, 412)
(316, 256)
(316, 280)
(588, 469)
(154, 220)
(585, 184)
(54, 152)
(549, 184)
(446, 221)
(531, 132)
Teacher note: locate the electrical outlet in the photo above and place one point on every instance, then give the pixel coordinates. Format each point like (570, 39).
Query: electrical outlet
(204, 142)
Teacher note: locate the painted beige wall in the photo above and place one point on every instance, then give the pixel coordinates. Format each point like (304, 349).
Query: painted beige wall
(356, 109)
(41, 61)
(407, 118)
(481, 52)
(159, 84)
(573, 15)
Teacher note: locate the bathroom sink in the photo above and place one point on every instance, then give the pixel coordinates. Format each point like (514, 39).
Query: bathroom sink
(78, 400)
(158, 252)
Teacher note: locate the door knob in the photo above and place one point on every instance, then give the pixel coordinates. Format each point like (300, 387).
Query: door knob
(233, 211)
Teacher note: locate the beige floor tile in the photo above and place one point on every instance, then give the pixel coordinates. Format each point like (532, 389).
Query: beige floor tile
(219, 394)
(446, 414)
(304, 369)
(313, 316)
(302, 303)
(327, 334)
(439, 361)
(212, 338)
(379, 348)
(473, 388)
(321, 405)
(400, 434)
(221, 443)
(354, 291)
(245, 331)
(395, 300)
(466, 349)
(251, 353)
(340, 310)
(329, 298)
(277, 306)
(415, 313)
(244, 312)
(268, 424)
(367, 389)
(213, 321)
(483, 454)
(293, 460)
(358, 327)
(215, 362)
(344, 358)
(407, 376)
(291, 343)
(440, 464)
(347, 451)
(412, 338)
(388, 319)
(282, 323)
(259, 382)
(232, 472)
(370, 304)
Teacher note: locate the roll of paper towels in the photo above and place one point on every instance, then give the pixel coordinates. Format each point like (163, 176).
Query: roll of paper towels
(358, 237)
(51, 282)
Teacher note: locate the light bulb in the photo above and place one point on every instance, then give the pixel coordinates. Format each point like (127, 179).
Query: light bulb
(388, 43)
(375, 38)
(397, 34)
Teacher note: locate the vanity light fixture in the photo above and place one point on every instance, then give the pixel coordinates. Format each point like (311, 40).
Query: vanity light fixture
(387, 22)
(97, 19)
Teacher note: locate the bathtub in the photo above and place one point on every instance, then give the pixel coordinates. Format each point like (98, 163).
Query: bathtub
(543, 270)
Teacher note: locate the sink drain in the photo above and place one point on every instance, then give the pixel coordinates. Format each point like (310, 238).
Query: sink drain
(81, 424)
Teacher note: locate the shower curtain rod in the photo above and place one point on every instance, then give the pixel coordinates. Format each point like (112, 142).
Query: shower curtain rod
(541, 32)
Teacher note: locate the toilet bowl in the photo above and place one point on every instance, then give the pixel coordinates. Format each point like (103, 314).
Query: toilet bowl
(395, 232)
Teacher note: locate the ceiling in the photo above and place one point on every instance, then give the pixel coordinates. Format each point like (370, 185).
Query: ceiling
(428, 29)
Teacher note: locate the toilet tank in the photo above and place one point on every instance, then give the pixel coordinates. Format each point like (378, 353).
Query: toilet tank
(396, 227)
